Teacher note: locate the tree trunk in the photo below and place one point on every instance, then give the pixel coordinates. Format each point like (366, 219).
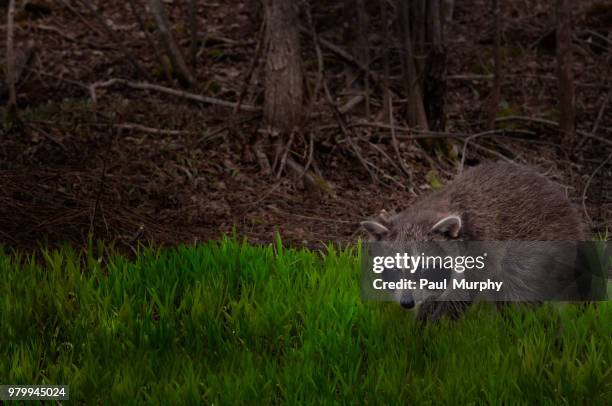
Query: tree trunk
(386, 40)
(415, 110)
(174, 53)
(497, 64)
(564, 71)
(283, 92)
(10, 62)
(434, 94)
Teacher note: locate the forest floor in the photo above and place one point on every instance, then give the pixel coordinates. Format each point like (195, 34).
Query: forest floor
(78, 165)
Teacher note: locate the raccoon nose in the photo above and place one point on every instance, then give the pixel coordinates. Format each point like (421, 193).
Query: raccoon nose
(407, 303)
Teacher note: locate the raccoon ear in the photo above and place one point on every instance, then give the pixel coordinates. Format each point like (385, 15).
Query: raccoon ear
(384, 216)
(450, 225)
(375, 229)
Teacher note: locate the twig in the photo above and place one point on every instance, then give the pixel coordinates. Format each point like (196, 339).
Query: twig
(320, 64)
(586, 187)
(598, 35)
(111, 34)
(61, 79)
(521, 76)
(353, 101)
(470, 77)
(310, 155)
(249, 75)
(551, 123)
(337, 113)
(47, 136)
(149, 130)
(162, 89)
(326, 220)
(493, 152)
(92, 224)
(464, 150)
(283, 161)
(600, 114)
(415, 133)
(395, 144)
(150, 41)
(217, 39)
(347, 57)
(174, 53)
(80, 16)
(70, 38)
(262, 159)
(482, 134)
(342, 126)
(385, 155)
(311, 179)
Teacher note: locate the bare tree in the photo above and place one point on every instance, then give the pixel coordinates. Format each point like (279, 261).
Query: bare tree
(564, 71)
(176, 57)
(283, 83)
(415, 110)
(424, 64)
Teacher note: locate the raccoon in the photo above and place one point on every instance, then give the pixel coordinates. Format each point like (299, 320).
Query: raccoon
(490, 202)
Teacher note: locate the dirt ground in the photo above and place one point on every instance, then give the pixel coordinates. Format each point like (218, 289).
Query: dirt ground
(76, 166)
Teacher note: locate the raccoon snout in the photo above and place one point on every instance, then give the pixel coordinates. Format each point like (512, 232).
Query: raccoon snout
(407, 303)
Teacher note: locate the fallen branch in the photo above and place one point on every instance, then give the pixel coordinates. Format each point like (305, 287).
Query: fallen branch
(603, 107)
(149, 130)
(311, 180)
(470, 77)
(283, 160)
(415, 133)
(68, 37)
(493, 152)
(80, 16)
(586, 187)
(346, 56)
(346, 133)
(321, 219)
(167, 90)
(353, 101)
(403, 165)
(551, 123)
(490, 151)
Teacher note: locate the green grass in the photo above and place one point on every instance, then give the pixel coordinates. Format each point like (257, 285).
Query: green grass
(231, 323)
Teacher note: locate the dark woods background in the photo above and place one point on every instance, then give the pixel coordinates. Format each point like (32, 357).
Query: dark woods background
(178, 120)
